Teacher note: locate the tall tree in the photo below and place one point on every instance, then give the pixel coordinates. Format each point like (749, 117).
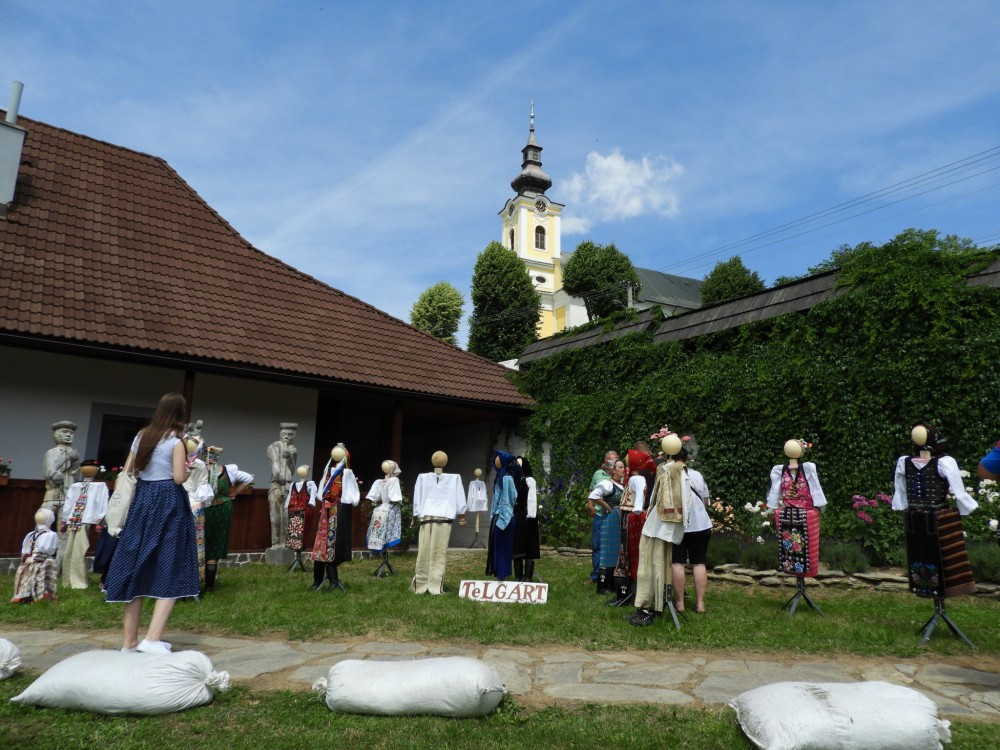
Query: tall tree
(599, 274)
(730, 278)
(505, 305)
(438, 311)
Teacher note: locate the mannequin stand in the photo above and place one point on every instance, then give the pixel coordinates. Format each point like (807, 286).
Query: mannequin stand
(381, 572)
(800, 593)
(297, 563)
(476, 540)
(668, 600)
(335, 586)
(939, 614)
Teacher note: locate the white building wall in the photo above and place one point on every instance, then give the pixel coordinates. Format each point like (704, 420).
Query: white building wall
(38, 388)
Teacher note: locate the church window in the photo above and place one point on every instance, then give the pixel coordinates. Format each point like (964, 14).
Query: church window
(511, 239)
(539, 238)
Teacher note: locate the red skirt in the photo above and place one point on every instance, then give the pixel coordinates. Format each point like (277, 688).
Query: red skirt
(798, 540)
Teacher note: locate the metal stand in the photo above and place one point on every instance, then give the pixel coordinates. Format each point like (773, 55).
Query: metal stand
(380, 572)
(939, 614)
(334, 586)
(476, 540)
(297, 563)
(669, 599)
(800, 593)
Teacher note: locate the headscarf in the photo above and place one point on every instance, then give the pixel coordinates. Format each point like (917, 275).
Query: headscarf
(936, 443)
(508, 465)
(394, 469)
(48, 519)
(640, 462)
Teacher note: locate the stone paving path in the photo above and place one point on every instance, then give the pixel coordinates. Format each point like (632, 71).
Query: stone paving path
(544, 675)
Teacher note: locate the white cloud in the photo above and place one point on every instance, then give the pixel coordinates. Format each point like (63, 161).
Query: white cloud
(613, 187)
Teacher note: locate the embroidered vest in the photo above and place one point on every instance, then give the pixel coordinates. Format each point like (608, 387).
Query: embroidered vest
(925, 488)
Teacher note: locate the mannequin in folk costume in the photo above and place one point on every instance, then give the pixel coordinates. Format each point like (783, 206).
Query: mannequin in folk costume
(299, 506)
(500, 550)
(337, 494)
(385, 529)
(200, 495)
(85, 504)
(921, 486)
(226, 481)
(668, 510)
(641, 469)
(796, 497)
(36, 576)
(609, 493)
(438, 499)
(526, 544)
(477, 501)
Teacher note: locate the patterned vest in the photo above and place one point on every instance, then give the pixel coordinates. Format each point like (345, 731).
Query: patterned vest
(925, 488)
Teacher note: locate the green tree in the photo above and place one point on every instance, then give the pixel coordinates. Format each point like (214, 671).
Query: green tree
(599, 275)
(438, 311)
(730, 278)
(505, 305)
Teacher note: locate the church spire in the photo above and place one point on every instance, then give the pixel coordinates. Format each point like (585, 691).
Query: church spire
(532, 181)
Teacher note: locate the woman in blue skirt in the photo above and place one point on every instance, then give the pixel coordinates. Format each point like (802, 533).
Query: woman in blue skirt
(157, 555)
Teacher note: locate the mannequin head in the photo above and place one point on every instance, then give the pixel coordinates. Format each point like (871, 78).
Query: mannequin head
(671, 445)
(89, 470)
(439, 460)
(927, 438)
(793, 449)
(302, 471)
(44, 518)
(478, 473)
(390, 468)
(339, 453)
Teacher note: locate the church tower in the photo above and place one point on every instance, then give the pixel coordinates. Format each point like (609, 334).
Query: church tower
(531, 229)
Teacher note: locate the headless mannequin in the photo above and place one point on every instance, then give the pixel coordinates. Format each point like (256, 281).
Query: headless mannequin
(302, 473)
(474, 483)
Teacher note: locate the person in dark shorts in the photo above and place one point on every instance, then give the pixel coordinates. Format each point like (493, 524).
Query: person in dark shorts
(694, 547)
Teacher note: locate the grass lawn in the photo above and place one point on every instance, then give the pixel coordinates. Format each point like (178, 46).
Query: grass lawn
(264, 601)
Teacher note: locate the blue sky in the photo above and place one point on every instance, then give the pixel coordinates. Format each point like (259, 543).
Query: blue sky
(372, 145)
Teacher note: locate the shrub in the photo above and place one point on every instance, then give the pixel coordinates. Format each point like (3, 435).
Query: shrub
(722, 549)
(985, 560)
(760, 555)
(846, 556)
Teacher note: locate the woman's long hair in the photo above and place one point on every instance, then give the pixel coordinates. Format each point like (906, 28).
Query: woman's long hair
(168, 420)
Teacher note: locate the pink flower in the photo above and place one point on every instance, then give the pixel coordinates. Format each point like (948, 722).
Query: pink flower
(874, 502)
(855, 504)
(685, 438)
(864, 516)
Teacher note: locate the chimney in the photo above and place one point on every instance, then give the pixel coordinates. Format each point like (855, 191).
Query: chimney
(11, 143)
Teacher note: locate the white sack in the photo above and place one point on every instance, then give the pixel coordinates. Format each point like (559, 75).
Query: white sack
(840, 716)
(10, 658)
(112, 682)
(451, 686)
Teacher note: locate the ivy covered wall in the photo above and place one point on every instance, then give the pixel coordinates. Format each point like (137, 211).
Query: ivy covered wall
(909, 342)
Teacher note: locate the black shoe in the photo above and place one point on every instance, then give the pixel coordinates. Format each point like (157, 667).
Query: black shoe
(642, 618)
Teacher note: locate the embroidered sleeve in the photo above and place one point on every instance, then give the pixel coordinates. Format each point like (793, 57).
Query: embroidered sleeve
(774, 495)
(899, 501)
(812, 478)
(948, 468)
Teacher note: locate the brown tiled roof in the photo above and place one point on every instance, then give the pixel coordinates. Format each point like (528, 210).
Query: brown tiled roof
(104, 245)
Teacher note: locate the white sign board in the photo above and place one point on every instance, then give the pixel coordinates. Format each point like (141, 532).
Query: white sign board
(504, 591)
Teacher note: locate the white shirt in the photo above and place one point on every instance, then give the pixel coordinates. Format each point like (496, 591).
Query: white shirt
(199, 490)
(350, 491)
(947, 467)
(668, 531)
(477, 501)
(236, 476)
(812, 479)
(698, 519)
(438, 495)
(47, 543)
(297, 486)
(97, 501)
(532, 497)
(161, 463)
(637, 485)
(385, 491)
